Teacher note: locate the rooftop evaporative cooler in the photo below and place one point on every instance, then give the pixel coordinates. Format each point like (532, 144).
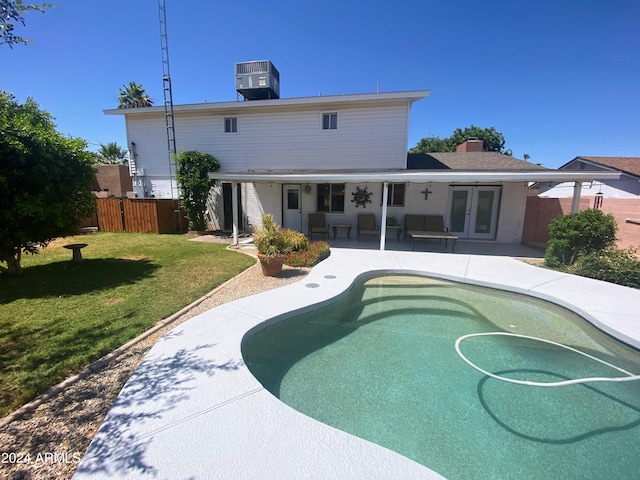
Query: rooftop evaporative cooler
(257, 80)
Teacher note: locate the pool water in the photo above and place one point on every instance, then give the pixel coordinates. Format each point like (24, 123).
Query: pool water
(380, 363)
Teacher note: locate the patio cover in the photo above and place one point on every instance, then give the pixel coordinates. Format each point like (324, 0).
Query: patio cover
(408, 176)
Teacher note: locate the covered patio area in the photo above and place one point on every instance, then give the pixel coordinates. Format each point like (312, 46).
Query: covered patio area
(462, 197)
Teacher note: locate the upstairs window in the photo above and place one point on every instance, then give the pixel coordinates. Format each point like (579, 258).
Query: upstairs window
(331, 197)
(231, 125)
(330, 121)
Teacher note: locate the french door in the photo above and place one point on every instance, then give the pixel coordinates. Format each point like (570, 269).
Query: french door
(292, 207)
(473, 211)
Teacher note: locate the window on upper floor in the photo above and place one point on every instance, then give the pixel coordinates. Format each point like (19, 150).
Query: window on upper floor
(331, 197)
(231, 125)
(330, 121)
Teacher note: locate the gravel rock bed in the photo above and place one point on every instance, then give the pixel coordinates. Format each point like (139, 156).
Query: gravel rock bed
(49, 441)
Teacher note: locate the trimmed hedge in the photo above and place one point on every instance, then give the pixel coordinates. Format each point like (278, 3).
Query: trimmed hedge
(612, 265)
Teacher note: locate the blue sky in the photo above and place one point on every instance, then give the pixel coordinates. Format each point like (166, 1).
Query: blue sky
(558, 78)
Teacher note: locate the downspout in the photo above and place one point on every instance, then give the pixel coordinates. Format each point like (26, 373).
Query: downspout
(575, 204)
(383, 220)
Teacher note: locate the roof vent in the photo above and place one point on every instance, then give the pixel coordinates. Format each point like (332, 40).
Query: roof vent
(257, 80)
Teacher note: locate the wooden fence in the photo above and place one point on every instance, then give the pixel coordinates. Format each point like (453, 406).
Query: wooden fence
(540, 212)
(140, 215)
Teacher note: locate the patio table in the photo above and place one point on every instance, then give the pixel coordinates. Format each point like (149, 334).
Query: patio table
(424, 235)
(344, 226)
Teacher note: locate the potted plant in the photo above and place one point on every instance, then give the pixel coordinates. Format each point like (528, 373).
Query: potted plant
(273, 243)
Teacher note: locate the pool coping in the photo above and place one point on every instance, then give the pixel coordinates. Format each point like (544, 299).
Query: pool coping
(193, 410)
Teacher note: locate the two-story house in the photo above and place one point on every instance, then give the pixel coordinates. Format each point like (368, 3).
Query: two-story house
(295, 156)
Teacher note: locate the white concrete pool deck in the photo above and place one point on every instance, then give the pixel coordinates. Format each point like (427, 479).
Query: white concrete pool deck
(192, 410)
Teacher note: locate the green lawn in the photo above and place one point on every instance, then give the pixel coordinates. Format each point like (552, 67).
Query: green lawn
(60, 315)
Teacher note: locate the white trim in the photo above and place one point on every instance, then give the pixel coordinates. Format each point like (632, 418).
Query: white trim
(412, 96)
(417, 176)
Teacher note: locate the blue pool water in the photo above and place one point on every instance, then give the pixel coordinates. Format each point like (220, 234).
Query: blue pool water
(380, 363)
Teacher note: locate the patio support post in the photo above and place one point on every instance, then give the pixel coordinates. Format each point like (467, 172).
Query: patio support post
(575, 204)
(383, 220)
(234, 208)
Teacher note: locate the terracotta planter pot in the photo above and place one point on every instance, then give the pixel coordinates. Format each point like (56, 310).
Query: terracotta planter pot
(271, 266)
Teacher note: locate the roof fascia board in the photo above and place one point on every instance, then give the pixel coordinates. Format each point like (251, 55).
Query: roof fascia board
(418, 177)
(410, 96)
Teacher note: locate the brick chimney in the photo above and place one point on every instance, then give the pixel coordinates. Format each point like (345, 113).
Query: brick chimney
(471, 145)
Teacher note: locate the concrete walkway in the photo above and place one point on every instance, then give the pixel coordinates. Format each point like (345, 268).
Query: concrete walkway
(193, 410)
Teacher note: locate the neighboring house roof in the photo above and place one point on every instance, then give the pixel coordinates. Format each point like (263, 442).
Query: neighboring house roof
(470, 161)
(628, 165)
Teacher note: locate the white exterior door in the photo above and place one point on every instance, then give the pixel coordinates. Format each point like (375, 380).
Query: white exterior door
(292, 207)
(473, 211)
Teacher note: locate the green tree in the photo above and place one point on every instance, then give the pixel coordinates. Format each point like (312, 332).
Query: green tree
(430, 144)
(11, 12)
(111, 153)
(493, 141)
(192, 173)
(45, 181)
(133, 96)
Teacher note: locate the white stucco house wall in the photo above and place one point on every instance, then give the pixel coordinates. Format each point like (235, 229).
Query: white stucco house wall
(295, 156)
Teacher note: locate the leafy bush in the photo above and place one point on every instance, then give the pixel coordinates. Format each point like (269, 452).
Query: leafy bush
(576, 234)
(612, 265)
(314, 254)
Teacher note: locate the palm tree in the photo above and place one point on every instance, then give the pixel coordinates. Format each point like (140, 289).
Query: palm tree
(133, 96)
(111, 153)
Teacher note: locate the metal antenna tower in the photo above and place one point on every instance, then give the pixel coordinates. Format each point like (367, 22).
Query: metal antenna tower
(168, 101)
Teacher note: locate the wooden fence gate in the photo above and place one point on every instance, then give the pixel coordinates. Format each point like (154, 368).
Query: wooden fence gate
(141, 215)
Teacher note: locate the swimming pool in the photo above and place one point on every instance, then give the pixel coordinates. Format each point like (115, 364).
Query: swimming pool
(193, 409)
(380, 363)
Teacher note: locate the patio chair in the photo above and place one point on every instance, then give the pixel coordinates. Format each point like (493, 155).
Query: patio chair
(367, 225)
(318, 224)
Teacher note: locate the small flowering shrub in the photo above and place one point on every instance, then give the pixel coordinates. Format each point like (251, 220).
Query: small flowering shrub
(314, 254)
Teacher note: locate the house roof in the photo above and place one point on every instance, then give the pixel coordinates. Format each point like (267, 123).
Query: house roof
(470, 161)
(281, 103)
(628, 165)
(454, 167)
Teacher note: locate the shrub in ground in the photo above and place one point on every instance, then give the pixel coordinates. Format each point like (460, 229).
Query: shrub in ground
(611, 265)
(313, 255)
(576, 234)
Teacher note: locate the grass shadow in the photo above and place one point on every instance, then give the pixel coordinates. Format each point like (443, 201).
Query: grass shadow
(67, 278)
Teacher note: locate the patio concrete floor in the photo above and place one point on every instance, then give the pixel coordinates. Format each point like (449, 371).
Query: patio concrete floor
(193, 410)
(469, 247)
